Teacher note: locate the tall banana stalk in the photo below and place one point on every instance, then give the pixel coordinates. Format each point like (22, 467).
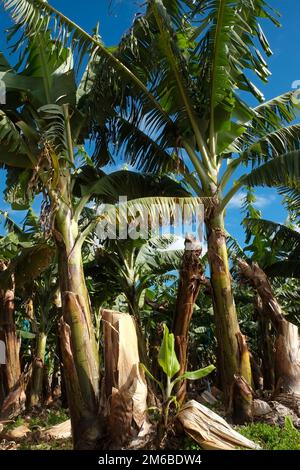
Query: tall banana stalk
(232, 360)
(77, 320)
(11, 340)
(38, 370)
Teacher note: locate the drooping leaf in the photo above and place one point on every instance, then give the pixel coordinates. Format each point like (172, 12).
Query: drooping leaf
(27, 265)
(281, 171)
(197, 374)
(13, 150)
(18, 191)
(146, 370)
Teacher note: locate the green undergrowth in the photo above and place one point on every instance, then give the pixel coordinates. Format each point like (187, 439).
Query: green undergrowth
(273, 437)
(61, 444)
(266, 436)
(43, 419)
(38, 420)
(190, 444)
(50, 419)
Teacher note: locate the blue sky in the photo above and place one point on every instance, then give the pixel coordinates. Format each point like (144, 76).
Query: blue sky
(115, 19)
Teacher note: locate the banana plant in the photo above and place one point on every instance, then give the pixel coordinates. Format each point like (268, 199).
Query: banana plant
(169, 363)
(43, 317)
(130, 267)
(282, 247)
(40, 128)
(133, 267)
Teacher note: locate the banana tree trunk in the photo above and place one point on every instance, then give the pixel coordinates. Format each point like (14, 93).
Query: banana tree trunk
(11, 340)
(191, 274)
(2, 385)
(233, 355)
(38, 371)
(63, 387)
(78, 342)
(14, 387)
(287, 343)
(266, 346)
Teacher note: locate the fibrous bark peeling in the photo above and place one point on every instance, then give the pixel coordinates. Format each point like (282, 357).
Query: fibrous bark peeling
(12, 368)
(78, 340)
(85, 426)
(266, 343)
(124, 401)
(191, 277)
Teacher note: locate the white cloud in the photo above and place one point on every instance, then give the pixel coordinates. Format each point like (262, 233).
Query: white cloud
(261, 201)
(237, 201)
